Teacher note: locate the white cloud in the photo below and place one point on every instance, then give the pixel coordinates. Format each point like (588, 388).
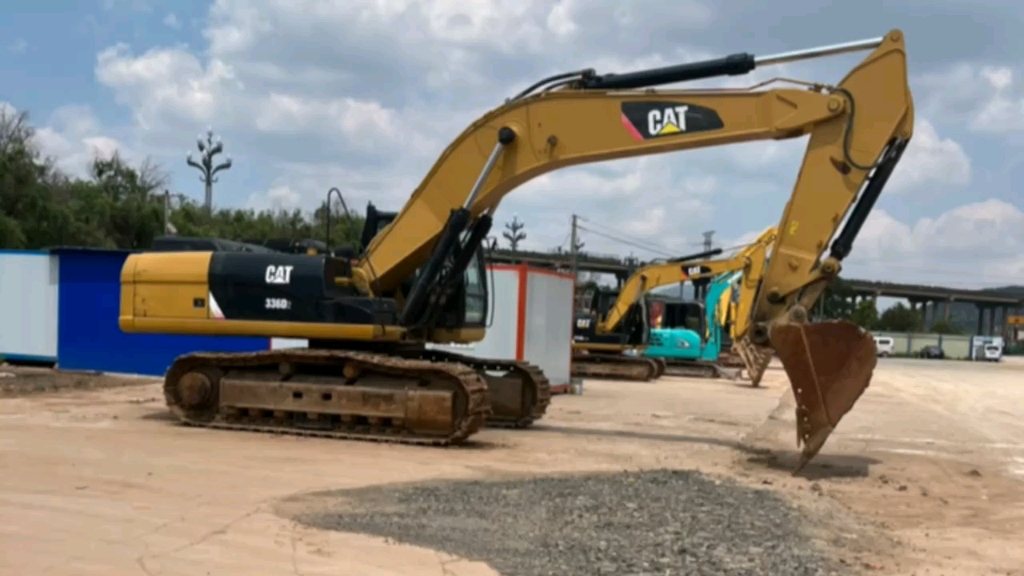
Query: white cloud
(1004, 110)
(19, 46)
(73, 137)
(165, 85)
(930, 161)
(989, 99)
(976, 245)
(171, 21)
(279, 196)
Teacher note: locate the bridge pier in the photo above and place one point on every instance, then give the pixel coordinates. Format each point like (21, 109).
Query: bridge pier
(921, 307)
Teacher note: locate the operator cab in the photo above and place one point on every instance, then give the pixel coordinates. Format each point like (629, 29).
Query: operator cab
(597, 302)
(684, 314)
(467, 308)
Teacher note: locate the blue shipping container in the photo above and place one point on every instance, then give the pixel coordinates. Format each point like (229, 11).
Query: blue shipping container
(88, 337)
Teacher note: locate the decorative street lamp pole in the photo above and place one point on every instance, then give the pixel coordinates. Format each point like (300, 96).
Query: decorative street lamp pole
(207, 150)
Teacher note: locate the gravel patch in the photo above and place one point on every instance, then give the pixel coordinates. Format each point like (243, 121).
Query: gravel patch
(634, 523)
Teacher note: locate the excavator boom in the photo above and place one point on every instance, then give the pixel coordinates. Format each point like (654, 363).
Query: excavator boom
(663, 274)
(595, 356)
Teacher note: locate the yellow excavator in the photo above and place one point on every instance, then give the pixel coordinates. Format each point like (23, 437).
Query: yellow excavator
(603, 350)
(600, 344)
(420, 278)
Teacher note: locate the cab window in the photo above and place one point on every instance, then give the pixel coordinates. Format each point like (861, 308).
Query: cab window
(476, 292)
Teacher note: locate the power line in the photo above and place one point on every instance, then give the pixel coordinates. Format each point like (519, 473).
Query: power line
(626, 242)
(653, 246)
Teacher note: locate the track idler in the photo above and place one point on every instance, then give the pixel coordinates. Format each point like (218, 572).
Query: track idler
(829, 365)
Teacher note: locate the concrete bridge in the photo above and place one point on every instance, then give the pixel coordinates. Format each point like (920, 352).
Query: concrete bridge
(929, 301)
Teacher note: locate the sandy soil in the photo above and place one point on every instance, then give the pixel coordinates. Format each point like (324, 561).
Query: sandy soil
(101, 482)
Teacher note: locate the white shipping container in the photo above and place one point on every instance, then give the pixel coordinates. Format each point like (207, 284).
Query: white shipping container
(29, 289)
(531, 313)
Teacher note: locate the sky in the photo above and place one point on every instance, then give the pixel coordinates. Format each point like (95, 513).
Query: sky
(364, 95)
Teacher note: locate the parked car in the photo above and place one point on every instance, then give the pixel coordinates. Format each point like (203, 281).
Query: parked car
(993, 352)
(932, 351)
(884, 345)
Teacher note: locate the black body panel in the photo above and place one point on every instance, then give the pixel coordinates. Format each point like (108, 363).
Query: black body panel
(291, 288)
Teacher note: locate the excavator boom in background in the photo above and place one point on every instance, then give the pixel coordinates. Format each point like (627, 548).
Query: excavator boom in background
(599, 345)
(420, 278)
(695, 352)
(610, 331)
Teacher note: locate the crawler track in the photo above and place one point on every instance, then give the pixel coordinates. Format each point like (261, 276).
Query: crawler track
(616, 366)
(729, 358)
(518, 397)
(329, 393)
(692, 369)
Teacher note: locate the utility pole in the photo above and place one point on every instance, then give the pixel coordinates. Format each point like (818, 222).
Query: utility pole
(698, 291)
(574, 247)
(167, 209)
(707, 239)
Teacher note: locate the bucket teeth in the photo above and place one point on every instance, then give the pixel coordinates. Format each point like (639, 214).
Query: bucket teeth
(829, 365)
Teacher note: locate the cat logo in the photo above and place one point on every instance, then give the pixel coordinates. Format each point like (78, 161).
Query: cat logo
(667, 121)
(656, 119)
(279, 274)
(690, 271)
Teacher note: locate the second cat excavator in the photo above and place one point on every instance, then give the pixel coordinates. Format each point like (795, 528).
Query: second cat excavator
(689, 352)
(368, 316)
(600, 343)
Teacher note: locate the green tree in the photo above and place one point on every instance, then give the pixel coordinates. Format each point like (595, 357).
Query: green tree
(899, 318)
(837, 300)
(865, 315)
(944, 327)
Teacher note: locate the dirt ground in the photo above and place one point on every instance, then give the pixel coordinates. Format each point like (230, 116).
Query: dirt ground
(925, 473)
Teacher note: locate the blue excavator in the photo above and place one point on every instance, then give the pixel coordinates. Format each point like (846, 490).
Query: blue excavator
(690, 334)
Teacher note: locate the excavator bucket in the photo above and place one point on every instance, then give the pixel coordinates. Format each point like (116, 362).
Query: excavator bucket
(829, 365)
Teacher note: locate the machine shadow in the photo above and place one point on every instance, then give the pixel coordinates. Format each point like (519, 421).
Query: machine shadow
(666, 437)
(822, 467)
(163, 415)
(473, 444)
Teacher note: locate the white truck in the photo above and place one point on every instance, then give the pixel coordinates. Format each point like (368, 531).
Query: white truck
(987, 348)
(884, 346)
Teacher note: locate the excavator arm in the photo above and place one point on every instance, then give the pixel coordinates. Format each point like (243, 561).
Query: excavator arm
(656, 275)
(755, 358)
